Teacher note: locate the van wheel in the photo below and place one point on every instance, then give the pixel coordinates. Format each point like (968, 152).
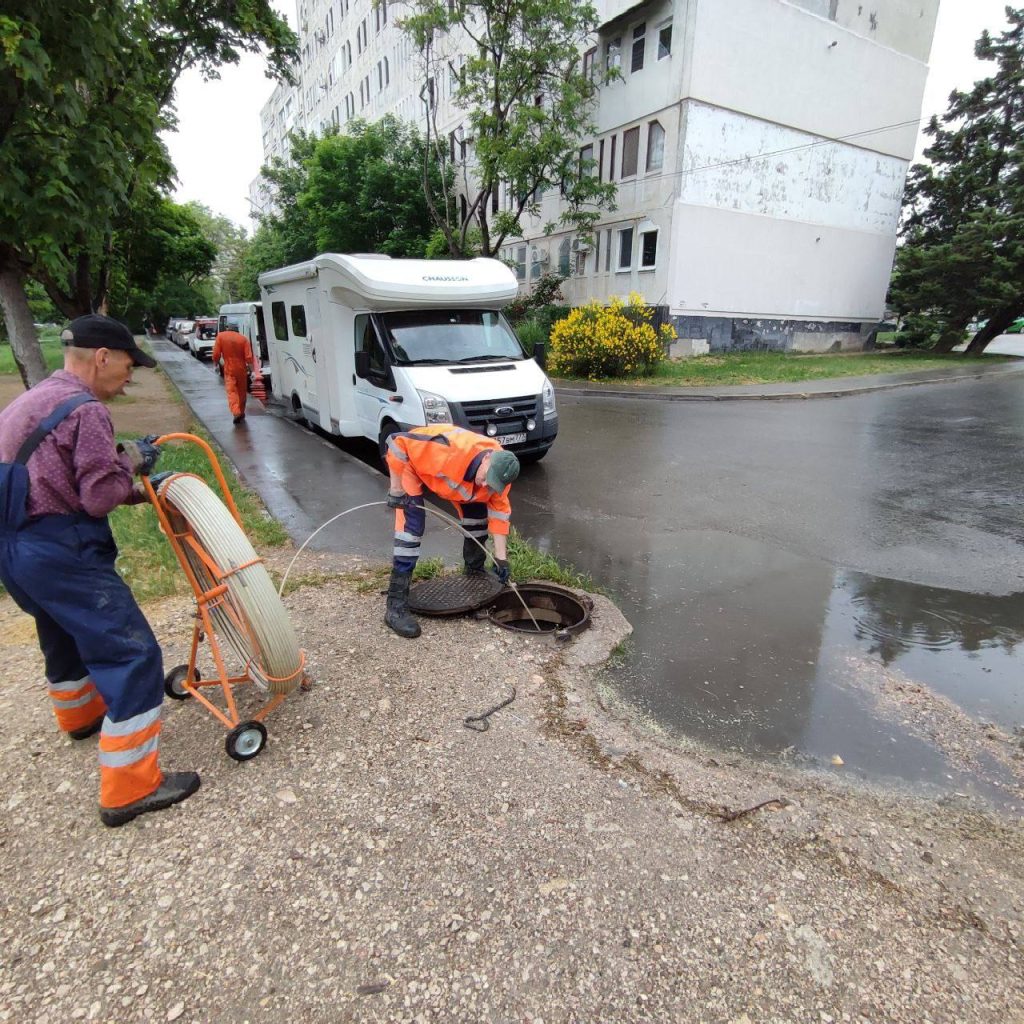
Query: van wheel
(387, 429)
(297, 409)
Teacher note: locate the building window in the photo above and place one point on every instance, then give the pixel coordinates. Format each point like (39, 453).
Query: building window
(648, 249)
(611, 160)
(600, 160)
(521, 262)
(387, 72)
(625, 261)
(587, 162)
(608, 250)
(383, 12)
(376, 19)
(655, 146)
(613, 53)
(630, 151)
(380, 76)
(665, 41)
(430, 93)
(581, 262)
(597, 252)
(639, 45)
(563, 256)
(589, 60)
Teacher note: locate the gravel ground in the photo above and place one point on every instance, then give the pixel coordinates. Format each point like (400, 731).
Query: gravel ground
(380, 862)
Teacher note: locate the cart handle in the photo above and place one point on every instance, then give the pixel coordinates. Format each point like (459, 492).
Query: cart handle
(214, 465)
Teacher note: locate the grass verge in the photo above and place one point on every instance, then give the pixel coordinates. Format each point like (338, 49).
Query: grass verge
(525, 563)
(730, 368)
(49, 342)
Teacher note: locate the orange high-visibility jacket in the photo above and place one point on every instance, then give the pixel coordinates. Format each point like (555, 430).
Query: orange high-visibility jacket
(233, 348)
(438, 456)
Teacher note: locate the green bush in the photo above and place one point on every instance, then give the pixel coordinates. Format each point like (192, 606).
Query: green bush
(547, 290)
(532, 332)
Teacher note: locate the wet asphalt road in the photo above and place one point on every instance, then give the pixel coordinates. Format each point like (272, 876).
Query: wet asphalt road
(775, 558)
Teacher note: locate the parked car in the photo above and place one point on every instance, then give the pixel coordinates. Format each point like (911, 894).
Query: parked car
(201, 340)
(1017, 327)
(172, 327)
(179, 333)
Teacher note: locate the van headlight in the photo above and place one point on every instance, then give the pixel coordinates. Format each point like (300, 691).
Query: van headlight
(548, 399)
(435, 408)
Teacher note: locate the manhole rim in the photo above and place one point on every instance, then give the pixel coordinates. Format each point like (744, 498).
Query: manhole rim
(581, 598)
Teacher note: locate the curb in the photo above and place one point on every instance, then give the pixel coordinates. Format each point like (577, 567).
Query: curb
(706, 396)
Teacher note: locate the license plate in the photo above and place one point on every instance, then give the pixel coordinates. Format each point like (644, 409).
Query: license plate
(506, 439)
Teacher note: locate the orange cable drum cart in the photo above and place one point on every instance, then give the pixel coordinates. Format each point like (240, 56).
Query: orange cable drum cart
(236, 603)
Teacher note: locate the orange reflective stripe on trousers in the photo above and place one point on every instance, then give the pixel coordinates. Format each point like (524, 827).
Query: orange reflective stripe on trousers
(76, 703)
(128, 758)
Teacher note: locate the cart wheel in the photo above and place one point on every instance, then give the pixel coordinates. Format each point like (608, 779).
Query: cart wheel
(245, 741)
(175, 678)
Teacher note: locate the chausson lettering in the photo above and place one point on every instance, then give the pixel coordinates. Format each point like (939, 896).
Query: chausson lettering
(444, 277)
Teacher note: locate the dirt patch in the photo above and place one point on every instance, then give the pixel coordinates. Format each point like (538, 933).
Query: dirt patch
(151, 406)
(381, 862)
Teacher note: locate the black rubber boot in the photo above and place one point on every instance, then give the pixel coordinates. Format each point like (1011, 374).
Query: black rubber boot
(397, 616)
(87, 730)
(474, 557)
(177, 786)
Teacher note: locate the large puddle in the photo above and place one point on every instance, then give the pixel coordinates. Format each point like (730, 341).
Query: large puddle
(760, 651)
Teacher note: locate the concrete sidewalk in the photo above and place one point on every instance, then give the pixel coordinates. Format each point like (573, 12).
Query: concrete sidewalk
(831, 387)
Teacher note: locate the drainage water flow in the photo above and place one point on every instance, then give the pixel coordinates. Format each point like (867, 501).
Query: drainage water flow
(447, 519)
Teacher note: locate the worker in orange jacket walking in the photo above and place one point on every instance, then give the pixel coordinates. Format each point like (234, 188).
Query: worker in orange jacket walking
(471, 471)
(236, 352)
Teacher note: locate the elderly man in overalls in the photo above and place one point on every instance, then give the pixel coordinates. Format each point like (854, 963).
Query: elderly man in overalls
(60, 476)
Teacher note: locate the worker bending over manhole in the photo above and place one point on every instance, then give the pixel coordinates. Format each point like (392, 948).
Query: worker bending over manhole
(471, 471)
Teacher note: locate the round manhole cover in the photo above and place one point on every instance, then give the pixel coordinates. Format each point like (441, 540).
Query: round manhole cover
(453, 595)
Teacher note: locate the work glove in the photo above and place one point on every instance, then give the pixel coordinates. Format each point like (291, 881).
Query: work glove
(156, 479)
(142, 453)
(397, 500)
(501, 570)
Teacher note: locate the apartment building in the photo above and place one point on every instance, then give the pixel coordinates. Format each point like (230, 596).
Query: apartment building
(759, 148)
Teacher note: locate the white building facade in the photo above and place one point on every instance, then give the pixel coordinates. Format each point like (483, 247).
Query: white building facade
(759, 148)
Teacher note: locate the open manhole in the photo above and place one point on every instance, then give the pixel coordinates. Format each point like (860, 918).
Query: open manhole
(552, 609)
(453, 595)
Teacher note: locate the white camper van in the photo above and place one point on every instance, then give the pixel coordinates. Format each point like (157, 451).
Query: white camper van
(367, 345)
(247, 319)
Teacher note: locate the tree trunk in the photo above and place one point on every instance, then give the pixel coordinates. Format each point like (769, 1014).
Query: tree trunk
(995, 326)
(28, 356)
(951, 336)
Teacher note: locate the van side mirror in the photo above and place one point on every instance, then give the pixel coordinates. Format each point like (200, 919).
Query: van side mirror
(540, 354)
(363, 364)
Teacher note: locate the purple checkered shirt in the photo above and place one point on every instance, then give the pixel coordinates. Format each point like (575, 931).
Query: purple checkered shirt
(76, 468)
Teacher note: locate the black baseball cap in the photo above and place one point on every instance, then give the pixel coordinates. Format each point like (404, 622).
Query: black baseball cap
(96, 331)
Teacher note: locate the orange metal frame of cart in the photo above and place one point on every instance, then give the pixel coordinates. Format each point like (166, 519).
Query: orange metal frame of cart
(210, 597)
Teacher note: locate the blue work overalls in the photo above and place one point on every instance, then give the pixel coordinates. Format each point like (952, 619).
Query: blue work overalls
(101, 655)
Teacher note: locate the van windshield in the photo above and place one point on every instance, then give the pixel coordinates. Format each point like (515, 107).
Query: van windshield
(450, 336)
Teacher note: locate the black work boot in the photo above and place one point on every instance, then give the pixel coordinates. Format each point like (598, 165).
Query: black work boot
(474, 557)
(397, 616)
(177, 786)
(87, 730)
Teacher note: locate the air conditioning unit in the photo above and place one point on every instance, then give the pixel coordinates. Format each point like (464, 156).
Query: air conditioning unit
(538, 255)
(579, 245)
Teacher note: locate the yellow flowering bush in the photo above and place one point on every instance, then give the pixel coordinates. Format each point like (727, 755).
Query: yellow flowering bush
(617, 340)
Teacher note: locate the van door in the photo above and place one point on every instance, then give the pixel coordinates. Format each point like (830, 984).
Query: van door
(300, 332)
(320, 354)
(378, 387)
